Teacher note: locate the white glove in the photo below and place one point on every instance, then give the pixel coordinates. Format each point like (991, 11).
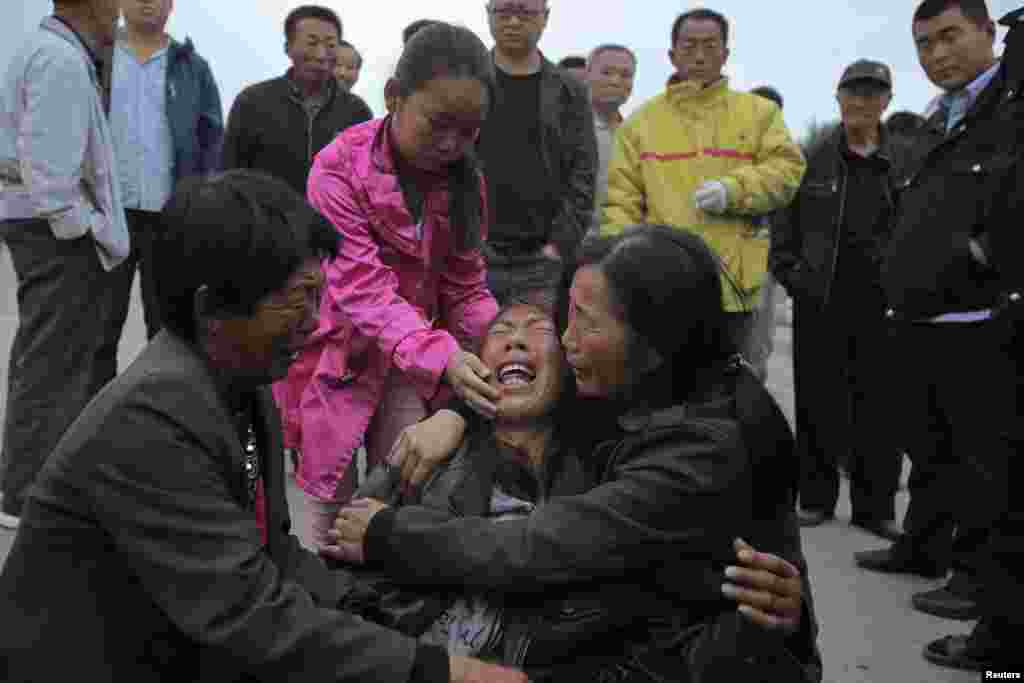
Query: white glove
(712, 197)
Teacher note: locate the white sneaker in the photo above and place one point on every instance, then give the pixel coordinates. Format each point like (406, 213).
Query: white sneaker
(9, 521)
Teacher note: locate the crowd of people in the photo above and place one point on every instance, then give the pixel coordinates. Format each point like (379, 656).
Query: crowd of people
(514, 346)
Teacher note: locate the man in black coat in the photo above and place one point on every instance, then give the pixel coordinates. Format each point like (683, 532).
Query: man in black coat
(826, 248)
(279, 126)
(953, 281)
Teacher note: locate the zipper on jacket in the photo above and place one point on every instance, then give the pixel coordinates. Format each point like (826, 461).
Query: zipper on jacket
(838, 231)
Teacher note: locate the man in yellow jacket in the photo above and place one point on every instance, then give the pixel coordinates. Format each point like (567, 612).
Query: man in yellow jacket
(707, 158)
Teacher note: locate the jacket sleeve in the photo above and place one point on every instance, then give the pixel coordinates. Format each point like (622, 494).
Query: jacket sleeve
(579, 175)
(657, 507)
(364, 290)
(466, 302)
(626, 201)
(233, 152)
(211, 121)
(174, 522)
(52, 138)
(784, 255)
(771, 181)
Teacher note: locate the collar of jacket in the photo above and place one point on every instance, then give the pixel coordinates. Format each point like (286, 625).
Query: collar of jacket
(295, 93)
(711, 399)
(175, 50)
(66, 31)
(883, 152)
(550, 81)
(687, 93)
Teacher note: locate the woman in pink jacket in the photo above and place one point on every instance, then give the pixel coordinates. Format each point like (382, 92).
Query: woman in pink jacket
(407, 294)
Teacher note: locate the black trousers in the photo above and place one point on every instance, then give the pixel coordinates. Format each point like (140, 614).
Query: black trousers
(959, 400)
(143, 226)
(841, 363)
(70, 316)
(1000, 562)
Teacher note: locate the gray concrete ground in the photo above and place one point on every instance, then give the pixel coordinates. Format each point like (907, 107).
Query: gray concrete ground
(869, 633)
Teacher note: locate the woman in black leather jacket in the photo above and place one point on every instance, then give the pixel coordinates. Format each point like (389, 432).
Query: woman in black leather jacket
(623, 581)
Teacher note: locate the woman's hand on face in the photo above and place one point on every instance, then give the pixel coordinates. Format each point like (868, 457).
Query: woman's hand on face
(767, 587)
(350, 529)
(421, 447)
(468, 377)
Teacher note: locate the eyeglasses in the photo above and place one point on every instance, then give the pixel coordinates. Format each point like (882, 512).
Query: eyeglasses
(505, 14)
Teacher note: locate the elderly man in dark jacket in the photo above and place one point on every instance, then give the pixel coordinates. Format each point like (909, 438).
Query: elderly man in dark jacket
(954, 282)
(826, 249)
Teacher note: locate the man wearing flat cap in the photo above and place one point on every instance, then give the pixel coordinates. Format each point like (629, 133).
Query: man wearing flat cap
(826, 249)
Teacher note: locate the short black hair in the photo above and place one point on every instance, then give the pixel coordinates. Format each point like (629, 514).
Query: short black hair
(359, 57)
(769, 93)
(573, 62)
(241, 234)
(975, 10)
(701, 13)
(409, 31)
(609, 47)
(309, 12)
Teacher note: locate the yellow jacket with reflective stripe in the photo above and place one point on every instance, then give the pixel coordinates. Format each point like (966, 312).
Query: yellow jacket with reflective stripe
(689, 135)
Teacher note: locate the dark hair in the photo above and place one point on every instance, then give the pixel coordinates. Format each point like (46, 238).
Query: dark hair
(412, 29)
(711, 14)
(769, 93)
(609, 47)
(359, 57)
(443, 50)
(904, 123)
(241, 234)
(667, 284)
(573, 62)
(975, 10)
(309, 12)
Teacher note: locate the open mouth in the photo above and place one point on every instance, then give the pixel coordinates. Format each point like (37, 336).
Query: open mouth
(515, 375)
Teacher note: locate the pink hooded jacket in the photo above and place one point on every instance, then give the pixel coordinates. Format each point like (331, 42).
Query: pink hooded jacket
(386, 293)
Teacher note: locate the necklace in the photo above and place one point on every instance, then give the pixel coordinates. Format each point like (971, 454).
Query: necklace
(251, 459)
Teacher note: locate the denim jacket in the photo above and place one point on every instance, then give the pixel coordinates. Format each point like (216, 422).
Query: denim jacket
(56, 151)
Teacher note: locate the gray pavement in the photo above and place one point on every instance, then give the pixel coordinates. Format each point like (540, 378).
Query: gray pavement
(869, 633)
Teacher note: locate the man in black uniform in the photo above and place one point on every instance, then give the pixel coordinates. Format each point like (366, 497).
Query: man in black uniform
(953, 279)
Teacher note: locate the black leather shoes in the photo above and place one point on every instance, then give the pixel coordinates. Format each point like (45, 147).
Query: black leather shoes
(808, 518)
(946, 603)
(959, 652)
(890, 562)
(883, 528)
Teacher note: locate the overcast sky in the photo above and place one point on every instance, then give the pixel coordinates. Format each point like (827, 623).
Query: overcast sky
(799, 46)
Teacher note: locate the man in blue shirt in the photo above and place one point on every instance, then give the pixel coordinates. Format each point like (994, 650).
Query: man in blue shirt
(165, 113)
(63, 222)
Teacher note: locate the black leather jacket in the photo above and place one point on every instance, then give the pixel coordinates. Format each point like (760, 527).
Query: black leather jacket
(967, 186)
(627, 571)
(807, 235)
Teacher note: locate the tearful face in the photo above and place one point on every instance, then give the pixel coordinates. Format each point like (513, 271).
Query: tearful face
(527, 366)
